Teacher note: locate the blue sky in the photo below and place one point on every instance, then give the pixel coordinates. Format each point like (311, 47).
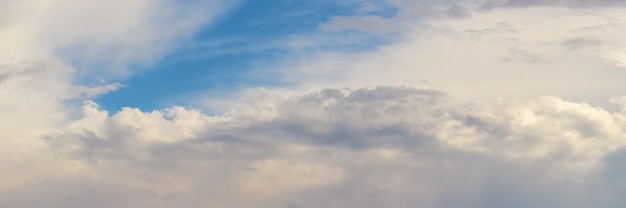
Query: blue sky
(219, 57)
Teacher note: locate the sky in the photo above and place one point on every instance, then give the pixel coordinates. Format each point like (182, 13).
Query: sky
(295, 104)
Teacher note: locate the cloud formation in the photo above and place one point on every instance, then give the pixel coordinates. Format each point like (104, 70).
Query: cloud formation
(370, 147)
(521, 52)
(51, 53)
(376, 146)
(53, 50)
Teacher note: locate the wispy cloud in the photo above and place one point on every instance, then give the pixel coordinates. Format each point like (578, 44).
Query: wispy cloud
(502, 53)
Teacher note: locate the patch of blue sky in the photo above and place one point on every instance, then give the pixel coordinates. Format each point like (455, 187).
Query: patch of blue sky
(221, 57)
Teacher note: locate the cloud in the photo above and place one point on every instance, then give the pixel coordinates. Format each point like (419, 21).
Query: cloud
(488, 4)
(408, 14)
(102, 36)
(52, 50)
(414, 12)
(369, 147)
(524, 53)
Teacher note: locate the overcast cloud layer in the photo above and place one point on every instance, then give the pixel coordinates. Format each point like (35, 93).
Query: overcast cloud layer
(472, 104)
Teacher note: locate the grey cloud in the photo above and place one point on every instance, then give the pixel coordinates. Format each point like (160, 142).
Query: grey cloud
(613, 177)
(487, 33)
(490, 4)
(409, 13)
(371, 147)
(359, 119)
(71, 193)
(28, 74)
(457, 11)
(579, 43)
(517, 54)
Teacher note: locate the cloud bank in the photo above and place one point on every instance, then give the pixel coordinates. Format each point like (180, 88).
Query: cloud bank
(370, 147)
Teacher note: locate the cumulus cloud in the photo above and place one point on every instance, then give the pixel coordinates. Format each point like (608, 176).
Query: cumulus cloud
(369, 147)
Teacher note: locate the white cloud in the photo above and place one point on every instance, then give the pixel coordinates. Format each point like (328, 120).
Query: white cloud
(97, 35)
(46, 45)
(385, 146)
(527, 52)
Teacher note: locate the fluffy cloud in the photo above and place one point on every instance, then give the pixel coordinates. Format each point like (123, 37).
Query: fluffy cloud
(370, 147)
